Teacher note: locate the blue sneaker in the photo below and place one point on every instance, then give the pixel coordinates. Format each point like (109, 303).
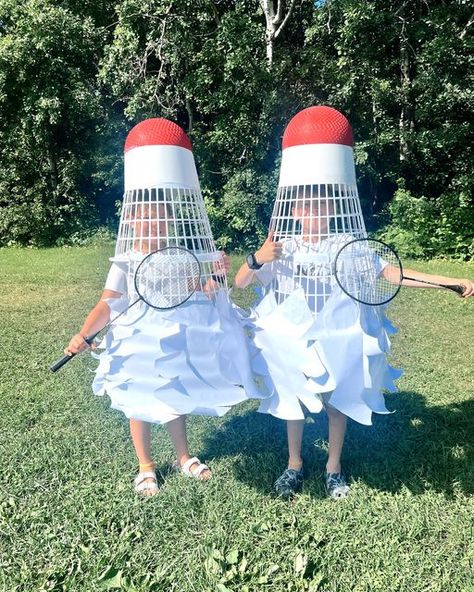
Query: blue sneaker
(289, 483)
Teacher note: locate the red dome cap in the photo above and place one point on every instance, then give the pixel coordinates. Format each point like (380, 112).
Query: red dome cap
(157, 132)
(318, 125)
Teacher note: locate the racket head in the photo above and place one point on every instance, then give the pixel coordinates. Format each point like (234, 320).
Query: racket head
(357, 269)
(167, 277)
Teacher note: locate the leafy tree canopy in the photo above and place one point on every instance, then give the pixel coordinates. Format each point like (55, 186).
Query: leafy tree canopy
(75, 76)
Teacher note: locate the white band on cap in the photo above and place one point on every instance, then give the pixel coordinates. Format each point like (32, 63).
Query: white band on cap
(154, 166)
(312, 164)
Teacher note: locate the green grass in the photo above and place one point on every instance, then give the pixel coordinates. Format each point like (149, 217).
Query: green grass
(69, 519)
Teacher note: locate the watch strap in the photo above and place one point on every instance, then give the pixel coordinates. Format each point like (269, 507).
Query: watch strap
(252, 262)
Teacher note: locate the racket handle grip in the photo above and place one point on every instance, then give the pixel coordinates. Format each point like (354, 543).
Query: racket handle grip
(55, 366)
(457, 288)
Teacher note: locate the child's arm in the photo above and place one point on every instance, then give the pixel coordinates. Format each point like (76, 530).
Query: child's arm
(392, 274)
(220, 269)
(268, 252)
(95, 321)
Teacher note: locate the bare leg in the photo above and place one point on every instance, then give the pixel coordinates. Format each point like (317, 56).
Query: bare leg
(337, 431)
(177, 432)
(294, 430)
(291, 481)
(140, 432)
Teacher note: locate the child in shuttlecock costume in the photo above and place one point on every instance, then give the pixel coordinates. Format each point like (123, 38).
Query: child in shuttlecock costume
(160, 365)
(319, 348)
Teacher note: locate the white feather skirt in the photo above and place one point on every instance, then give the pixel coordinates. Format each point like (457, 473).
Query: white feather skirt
(194, 359)
(341, 356)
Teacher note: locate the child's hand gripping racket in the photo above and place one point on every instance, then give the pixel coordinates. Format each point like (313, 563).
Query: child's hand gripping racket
(360, 268)
(164, 280)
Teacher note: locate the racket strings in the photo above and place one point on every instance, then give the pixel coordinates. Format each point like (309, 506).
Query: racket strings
(358, 269)
(167, 278)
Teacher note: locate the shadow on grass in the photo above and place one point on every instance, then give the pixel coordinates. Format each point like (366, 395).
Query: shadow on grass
(418, 447)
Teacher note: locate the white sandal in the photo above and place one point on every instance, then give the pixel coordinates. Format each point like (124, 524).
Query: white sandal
(185, 468)
(145, 484)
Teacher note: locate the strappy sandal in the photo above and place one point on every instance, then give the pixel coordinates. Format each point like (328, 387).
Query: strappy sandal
(145, 484)
(197, 472)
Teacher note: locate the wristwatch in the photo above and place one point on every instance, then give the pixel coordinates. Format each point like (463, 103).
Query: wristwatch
(252, 262)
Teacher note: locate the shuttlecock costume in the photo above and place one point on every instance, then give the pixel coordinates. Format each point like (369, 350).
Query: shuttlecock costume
(160, 364)
(316, 343)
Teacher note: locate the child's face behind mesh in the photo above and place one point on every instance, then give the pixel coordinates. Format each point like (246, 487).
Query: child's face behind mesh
(149, 223)
(314, 215)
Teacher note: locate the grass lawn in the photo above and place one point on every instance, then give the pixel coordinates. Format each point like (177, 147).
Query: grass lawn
(69, 519)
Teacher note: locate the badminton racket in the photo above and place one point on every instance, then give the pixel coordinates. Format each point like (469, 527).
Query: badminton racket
(358, 270)
(164, 280)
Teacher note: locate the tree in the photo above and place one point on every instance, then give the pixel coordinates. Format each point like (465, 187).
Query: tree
(276, 16)
(75, 76)
(52, 121)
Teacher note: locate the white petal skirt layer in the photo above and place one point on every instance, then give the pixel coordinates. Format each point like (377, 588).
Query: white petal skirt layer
(342, 355)
(194, 359)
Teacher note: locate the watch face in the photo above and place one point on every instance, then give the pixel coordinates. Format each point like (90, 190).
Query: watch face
(252, 262)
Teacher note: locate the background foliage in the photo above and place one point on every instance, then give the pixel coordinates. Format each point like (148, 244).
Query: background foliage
(76, 76)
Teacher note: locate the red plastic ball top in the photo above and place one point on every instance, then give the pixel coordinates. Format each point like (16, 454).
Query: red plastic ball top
(318, 125)
(156, 131)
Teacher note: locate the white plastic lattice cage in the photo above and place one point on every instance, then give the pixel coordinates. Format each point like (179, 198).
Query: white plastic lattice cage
(163, 205)
(317, 208)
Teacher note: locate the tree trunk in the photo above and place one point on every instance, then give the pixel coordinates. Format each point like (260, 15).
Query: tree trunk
(406, 121)
(275, 19)
(189, 110)
(404, 115)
